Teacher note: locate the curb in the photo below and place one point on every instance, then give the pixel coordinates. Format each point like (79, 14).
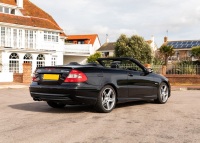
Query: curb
(13, 86)
(184, 88)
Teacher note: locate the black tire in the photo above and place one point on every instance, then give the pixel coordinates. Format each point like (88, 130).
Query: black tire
(106, 100)
(54, 104)
(163, 93)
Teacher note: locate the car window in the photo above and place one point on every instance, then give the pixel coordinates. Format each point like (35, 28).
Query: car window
(129, 65)
(123, 64)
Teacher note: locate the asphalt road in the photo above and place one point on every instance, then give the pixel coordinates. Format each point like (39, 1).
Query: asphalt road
(24, 120)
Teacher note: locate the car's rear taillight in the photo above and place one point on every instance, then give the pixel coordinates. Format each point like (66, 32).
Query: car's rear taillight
(34, 78)
(76, 76)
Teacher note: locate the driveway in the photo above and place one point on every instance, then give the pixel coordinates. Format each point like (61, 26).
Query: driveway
(24, 120)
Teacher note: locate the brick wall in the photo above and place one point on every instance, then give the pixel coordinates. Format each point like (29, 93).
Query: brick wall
(27, 72)
(184, 79)
(24, 77)
(18, 77)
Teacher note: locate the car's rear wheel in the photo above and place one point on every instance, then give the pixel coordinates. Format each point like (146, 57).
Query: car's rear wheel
(55, 104)
(163, 93)
(106, 99)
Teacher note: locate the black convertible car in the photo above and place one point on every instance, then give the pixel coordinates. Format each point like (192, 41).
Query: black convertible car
(111, 81)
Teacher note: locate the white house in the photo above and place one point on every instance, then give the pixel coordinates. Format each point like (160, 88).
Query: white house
(80, 45)
(28, 34)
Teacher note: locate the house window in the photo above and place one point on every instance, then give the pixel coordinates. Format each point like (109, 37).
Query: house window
(14, 63)
(45, 36)
(1, 9)
(8, 37)
(69, 41)
(3, 36)
(53, 61)
(105, 54)
(28, 58)
(13, 11)
(15, 38)
(6, 10)
(30, 39)
(40, 60)
(81, 42)
(34, 39)
(26, 39)
(50, 36)
(20, 38)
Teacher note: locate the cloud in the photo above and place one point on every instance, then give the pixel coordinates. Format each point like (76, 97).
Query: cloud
(114, 17)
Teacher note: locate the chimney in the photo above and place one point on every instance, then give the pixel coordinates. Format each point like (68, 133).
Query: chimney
(152, 38)
(107, 40)
(20, 3)
(165, 39)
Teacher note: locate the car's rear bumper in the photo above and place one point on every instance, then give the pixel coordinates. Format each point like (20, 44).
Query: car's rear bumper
(81, 92)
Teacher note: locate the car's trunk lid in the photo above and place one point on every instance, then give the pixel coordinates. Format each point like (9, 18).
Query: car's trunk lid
(51, 75)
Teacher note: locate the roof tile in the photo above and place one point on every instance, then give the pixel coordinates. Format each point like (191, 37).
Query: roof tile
(28, 21)
(107, 46)
(91, 38)
(10, 2)
(32, 16)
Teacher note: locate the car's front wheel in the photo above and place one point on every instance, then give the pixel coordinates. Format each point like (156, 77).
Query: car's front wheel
(55, 104)
(106, 99)
(163, 93)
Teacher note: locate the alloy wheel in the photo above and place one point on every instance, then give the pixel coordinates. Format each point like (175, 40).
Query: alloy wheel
(164, 92)
(108, 99)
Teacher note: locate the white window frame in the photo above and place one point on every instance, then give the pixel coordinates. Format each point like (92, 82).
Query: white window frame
(30, 39)
(40, 60)
(28, 58)
(14, 63)
(1, 9)
(51, 36)
(53, 61)
(15, 38)
(3, 36)
(8, 37)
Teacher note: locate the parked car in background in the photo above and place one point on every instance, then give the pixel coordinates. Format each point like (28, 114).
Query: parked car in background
(102, 84)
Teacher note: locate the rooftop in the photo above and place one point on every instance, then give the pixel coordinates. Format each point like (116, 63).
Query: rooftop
(184, 44)
(32, 16)
(107, 47)
(90, 38)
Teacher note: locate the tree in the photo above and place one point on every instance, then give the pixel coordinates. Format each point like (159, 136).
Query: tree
(94, 57)
(166, 51)
(196, 52)
(135, 47)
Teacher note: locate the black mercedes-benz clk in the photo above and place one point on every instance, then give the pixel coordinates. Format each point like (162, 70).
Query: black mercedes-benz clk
(102, 84)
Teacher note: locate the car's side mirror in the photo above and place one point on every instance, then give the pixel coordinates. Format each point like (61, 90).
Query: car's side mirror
(149, 70)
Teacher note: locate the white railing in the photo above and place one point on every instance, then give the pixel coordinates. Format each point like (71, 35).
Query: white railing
(49, 46)
(77, 49)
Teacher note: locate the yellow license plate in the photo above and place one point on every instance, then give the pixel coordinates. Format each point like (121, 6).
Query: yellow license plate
(50, 76)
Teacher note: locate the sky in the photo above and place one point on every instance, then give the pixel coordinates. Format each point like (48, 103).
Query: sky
(176, 19)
